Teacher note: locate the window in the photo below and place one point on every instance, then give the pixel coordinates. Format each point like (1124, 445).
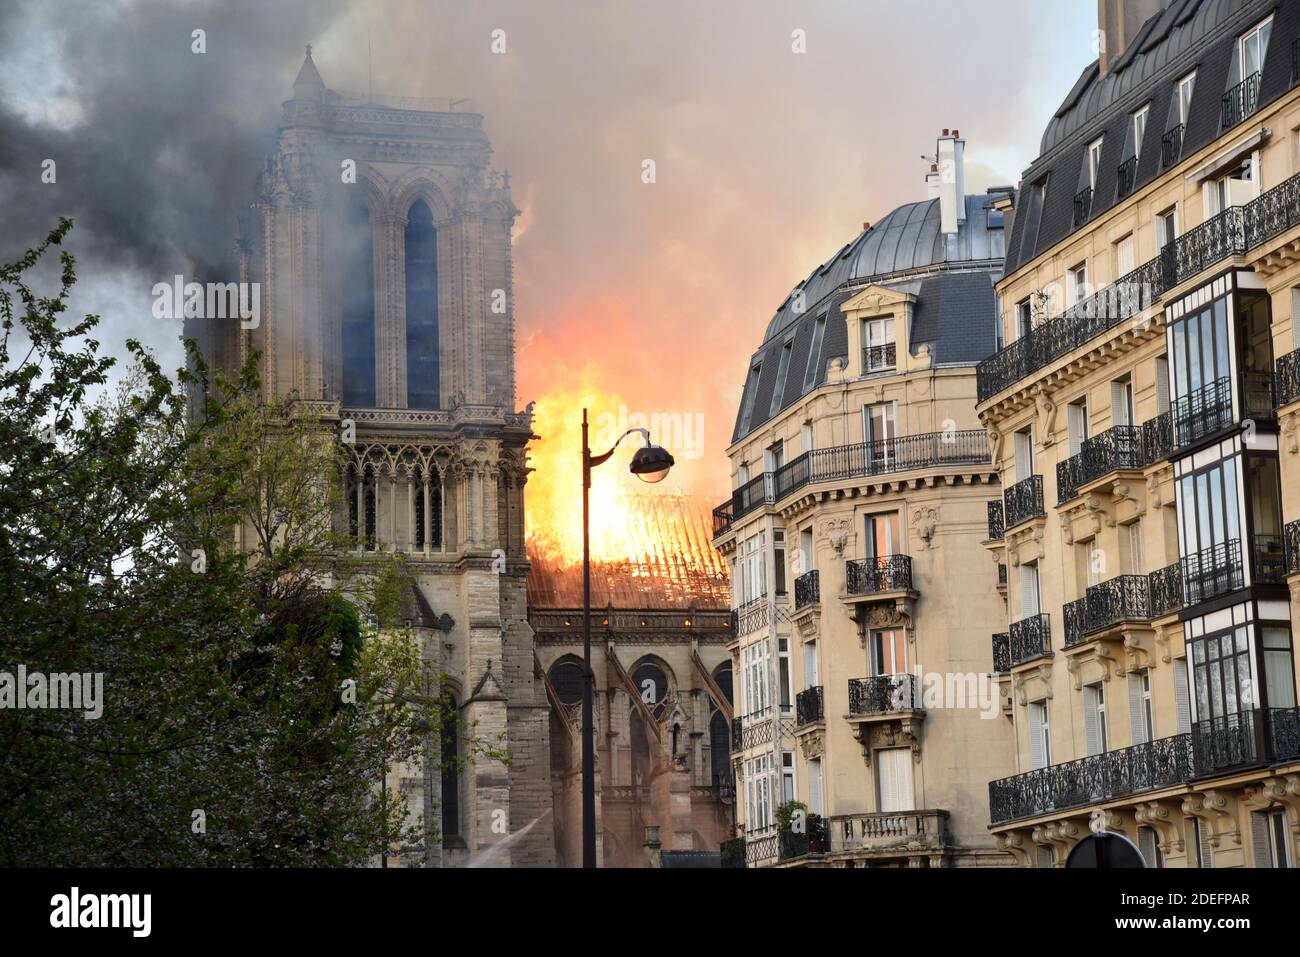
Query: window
(1024, 451)
(1271, 838)
(782, 368)
(1200, 852)
(783, 675)
(894, 779)
(1094, 162)
(751, 394)
(1221, 675)
(1033, 219)
(806, 556)
(1139, 130)
(751, 569)
(787, 776)
(806, 437)
(1094, 718)
(1131, 557)
(1040, 745)
(1149, 845)
(814, 367)
(1162, 384)
(755, 693)
(1124, 258)
(1076, 284)
(1209, 509)
(1279, 675)
(1024, 318)
(358, 308)
(1183, 97)
(1077, 423)
(878, 431)
(815, 787)
(1251, 48)
(1182, 696)
(888, 652)
(1121, 401)
(882, 538)
(1234, 188)
(760, 810)
(878, 346)
(1139, 706)
(1166, 227)
(1029, 606)
(778, 550)
(810, 664)
(1201, 349)
(422, 367)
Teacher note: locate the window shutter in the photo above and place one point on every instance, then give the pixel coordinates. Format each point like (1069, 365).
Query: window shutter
(1180, 696)
(1091, 720)
(815, 786)
(1162, 385)
(1136, 712)
(1203, 844)
(1037, 757)
(1259, 834)
(1028, 590)
(894, 766)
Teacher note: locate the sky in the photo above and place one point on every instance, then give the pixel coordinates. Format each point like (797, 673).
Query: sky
(641, 298)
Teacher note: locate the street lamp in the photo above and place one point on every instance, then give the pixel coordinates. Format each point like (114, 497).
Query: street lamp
(650, 464)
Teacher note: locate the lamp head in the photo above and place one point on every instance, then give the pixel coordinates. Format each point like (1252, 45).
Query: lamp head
(651, 463)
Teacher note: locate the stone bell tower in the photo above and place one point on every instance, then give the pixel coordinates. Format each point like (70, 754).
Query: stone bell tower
(381, 241)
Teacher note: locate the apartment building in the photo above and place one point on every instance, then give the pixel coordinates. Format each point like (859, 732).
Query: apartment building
(1143, 418)
(855, 535)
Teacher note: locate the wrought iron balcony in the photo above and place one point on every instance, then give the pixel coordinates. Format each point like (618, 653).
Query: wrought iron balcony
(1165, 588)
(1119, 447)
(996, 527)
(1268, 559)
(1258, 404)
(1212, 572)
(1202, 413)
(1024, 501)
(1002, 575)
(753, 494)
(1286, 378)
(1291, 546)
(1158, 438)
(1171, 146)
(722, 518)
(1030, 638)
(1240, 102)
(879, 358)
(1234, 231)
(1073, 614)
(808, 706)
(1082, 206)
(791, 845)
(1123, 598)
(1001, 653)
(793, 475)
(807, 589)
(869, 576)
(1165, 762)
(1068, 478)
(1126, 176)
(884, 694)
(1215, 746)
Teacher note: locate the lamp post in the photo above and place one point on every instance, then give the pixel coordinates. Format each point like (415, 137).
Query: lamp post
(650, 463)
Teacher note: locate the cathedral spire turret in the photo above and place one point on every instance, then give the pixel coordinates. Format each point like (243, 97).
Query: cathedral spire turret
(309, 85)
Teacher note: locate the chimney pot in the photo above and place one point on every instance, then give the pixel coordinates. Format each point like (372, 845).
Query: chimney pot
(956, 134)
(945, 131)
(866, 226)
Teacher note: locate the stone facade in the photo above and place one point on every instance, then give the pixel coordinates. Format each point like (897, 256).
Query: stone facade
(440, 479)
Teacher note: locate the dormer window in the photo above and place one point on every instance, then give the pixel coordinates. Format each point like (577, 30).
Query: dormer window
(879, 351)
(1248, 64)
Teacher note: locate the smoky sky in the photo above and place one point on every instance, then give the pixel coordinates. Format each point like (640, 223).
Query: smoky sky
(766, 160)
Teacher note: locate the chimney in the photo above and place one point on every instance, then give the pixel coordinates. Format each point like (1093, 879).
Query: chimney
(951, 176)
(932, 182)
(1118, 22)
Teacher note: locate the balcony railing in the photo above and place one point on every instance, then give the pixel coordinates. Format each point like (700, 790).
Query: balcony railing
(869, 576)
(1069, 476)
(1073, 614)
(997, 528)
(1123, 598)
(1126, 176)
(808, 706)
(886, 829)
(1291, 546)
(1240, 102)
(1215, 746)
(1024, 501)
(1171, 146)
(751, 616)
(1164, 762)
(880, 358)
(732, 852)
(883, 694)
(1205, 412)
(807, 589)
(1268, 559)
(1082, 206)
(1212, 572)
(1158, 438)
(1286, 379)
(1001, 653)
(899, 454)
(1234, 231)
(1119, 447)
(1165, 590)
(791, 845)
(1030, 638)
(1258, 402)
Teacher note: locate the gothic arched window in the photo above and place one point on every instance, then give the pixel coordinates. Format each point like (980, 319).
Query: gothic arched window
(421, 308)
(358, 301)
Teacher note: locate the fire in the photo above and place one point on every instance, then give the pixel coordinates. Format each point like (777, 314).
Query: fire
(651, 543)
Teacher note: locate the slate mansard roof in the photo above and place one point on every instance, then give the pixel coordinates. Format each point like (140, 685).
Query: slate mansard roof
(952, 276)
(1186, 36)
